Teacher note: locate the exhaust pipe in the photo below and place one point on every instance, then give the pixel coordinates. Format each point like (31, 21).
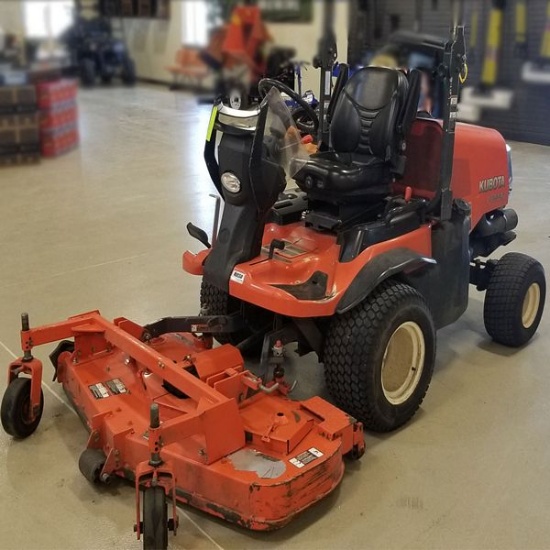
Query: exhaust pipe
(499, 221)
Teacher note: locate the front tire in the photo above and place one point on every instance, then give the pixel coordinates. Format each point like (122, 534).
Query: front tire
(379, 357)
(155, 519)
(515, 297)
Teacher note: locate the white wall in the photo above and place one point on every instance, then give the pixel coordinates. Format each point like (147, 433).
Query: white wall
(305, 37)
(11, 16)
(154, 43)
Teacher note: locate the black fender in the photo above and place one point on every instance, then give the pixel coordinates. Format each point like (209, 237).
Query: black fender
(380, 268)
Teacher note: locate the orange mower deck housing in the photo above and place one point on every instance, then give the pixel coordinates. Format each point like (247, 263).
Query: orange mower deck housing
(223, 442)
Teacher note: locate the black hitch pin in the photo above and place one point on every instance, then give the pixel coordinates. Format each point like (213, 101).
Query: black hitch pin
(25, 327)
(154, 433)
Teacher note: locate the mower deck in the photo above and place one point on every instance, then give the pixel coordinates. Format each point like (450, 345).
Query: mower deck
(223, 441)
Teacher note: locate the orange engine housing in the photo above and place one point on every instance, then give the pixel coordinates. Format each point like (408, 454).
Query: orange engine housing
(481, 172)
(481, 176)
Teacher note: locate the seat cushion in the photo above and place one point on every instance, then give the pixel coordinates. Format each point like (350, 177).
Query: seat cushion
(334, 175)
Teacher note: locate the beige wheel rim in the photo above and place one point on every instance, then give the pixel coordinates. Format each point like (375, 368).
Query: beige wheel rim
(531, 304)
(403, 363)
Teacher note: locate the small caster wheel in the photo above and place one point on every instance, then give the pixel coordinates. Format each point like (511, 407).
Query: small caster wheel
(91, 463)
(155, 519)
(356, 453)
(16, 409)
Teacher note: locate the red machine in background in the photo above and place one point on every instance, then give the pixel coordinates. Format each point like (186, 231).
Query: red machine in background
(239, 53)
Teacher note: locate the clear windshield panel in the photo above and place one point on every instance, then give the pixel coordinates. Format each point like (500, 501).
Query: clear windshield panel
(280, 127)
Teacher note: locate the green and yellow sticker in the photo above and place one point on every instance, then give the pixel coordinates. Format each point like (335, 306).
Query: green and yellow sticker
(213, 116)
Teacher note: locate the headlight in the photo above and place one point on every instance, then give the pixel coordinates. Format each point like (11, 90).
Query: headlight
(231, 182)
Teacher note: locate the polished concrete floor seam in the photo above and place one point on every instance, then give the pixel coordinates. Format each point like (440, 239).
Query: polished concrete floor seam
(77, 269)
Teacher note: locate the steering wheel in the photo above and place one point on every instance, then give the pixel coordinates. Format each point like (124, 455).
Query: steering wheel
(310, 115)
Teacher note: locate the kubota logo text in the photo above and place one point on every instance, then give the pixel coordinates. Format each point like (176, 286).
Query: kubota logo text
(491, 184)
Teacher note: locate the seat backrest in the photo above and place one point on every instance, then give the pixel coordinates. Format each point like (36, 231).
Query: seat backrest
(368, 114)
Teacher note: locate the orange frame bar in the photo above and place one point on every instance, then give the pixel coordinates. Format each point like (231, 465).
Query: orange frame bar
(155, 362)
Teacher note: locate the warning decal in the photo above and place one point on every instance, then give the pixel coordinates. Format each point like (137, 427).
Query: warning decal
(103, 390)
(237, 277)
(303, 459)
(116, 386)
(99, 391)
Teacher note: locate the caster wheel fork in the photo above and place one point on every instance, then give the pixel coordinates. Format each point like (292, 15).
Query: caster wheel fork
(155, 491)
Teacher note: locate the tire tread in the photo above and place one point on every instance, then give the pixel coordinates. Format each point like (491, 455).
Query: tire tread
(343, 370)
(18, 389)
(506, 287)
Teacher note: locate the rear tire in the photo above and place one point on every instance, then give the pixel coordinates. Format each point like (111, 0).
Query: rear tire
(515, 297)
(379, 357)
(155, 519)
(218, 302)
(16, 407)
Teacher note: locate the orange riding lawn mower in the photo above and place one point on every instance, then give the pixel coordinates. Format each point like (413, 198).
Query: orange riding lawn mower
(361, 264)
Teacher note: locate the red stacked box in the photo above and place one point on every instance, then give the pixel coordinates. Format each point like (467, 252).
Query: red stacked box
(58, 116)
(52, 93)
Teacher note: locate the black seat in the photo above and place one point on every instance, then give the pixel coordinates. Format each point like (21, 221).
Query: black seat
(368, 129)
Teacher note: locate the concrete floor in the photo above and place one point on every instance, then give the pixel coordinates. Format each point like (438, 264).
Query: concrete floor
(104, 227)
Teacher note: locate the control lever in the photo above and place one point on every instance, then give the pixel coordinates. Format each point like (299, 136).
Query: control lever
(199, 234)
(276, 244)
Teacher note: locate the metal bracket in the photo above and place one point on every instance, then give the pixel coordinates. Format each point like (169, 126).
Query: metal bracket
(206, 324)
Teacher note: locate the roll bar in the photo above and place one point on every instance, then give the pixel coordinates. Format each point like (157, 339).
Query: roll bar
(450, 71)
